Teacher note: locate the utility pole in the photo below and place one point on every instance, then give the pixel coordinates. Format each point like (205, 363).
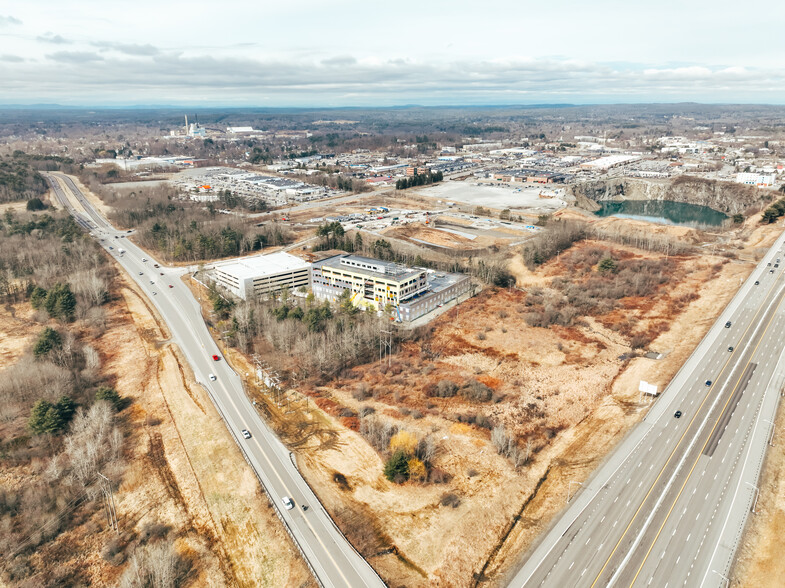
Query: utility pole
(108, 493)
(385, 345)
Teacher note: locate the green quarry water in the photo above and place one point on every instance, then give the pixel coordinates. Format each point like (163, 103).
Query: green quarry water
(664, 212)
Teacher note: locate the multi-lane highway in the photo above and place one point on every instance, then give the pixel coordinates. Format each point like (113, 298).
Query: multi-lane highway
(668, 507)
(332, 559)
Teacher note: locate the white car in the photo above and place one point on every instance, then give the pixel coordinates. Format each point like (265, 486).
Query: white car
(287, 502)
(144, 259)
(212, 377)
(246, 434)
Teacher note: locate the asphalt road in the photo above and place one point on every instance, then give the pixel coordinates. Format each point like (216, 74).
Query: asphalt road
(331, 557)
(668, 507)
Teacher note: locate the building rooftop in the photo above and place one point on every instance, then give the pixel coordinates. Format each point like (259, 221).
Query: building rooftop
(369, 267)
(262, 265)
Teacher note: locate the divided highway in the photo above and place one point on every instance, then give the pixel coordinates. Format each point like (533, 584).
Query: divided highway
(669, 506)
(332, 559)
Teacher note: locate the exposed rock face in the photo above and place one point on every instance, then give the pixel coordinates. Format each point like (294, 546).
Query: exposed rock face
(726, 197)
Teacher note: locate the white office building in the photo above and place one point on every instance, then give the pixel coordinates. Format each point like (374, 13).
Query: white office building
(263, 274)
(753, 179)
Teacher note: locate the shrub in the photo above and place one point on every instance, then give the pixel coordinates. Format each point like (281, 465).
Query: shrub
(366, 410)
(607, 265)
(47, 340)
(443, 389)
(35, 204)
(417, 414)
(505, 445)
(110, 395)
(450, 499)
(361, 392)
(476, 391)
(46, 417)
(403, 441)
(60, 302)
(397, 467)
(417, 470)
(438, 476)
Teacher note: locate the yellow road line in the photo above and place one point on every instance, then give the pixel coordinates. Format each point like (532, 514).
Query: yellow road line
(675, 449)
(719, 418)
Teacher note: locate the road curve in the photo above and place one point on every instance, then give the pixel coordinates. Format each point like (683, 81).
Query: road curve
(330, 556)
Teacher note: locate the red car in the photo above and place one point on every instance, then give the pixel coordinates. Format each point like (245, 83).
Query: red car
(216, 358)
(171, 286)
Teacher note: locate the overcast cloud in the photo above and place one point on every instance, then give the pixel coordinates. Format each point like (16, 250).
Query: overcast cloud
(348, 52)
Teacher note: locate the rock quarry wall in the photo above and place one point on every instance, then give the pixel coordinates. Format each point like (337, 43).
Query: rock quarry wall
(726, 197)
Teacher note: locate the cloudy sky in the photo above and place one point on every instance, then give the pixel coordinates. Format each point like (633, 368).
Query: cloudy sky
(357, 53)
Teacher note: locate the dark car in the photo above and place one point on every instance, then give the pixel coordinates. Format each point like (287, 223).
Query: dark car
(708, 382)
(730, 348)
(727, 325)
(678, 414)
(757, 282)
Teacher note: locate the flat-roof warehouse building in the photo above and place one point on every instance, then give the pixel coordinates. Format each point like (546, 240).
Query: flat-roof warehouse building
(263, 274)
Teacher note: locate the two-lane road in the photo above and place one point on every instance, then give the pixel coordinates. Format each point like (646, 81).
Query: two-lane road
(331, 557)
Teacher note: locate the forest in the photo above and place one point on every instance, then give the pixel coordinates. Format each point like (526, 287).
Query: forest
(60, 418)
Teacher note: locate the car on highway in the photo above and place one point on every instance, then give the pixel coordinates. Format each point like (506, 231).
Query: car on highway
(212, 377)
(171, 286)
(757, 283)
(144, 259)
(156, 265)
(771, 271)
(708, 382)
(769, 264)
(730, 348)
(776, 265)
(727, 325)
(287, 502)
(216, 358)
(110, 247)
(161, 273)
(246, 434)
(141, 273)
(152, 282)
(677, 414)
(115, 236)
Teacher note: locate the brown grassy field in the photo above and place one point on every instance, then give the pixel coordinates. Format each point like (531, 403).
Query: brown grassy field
(198, 487)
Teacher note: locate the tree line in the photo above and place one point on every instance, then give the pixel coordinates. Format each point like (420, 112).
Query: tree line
(419, 180)
(180, 230)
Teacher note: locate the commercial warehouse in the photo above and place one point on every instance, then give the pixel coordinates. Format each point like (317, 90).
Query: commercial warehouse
(263, 274)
